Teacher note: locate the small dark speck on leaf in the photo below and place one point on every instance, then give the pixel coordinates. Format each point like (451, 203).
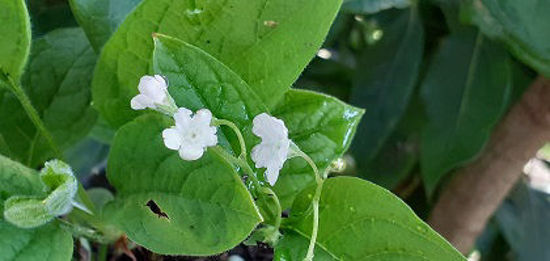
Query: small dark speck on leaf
(156, 209)
(271, 24)
(208, 41)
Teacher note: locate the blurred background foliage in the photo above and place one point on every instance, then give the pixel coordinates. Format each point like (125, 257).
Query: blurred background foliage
(434, 76)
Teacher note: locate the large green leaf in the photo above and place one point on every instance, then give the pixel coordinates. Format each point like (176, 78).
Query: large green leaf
(266, 42)
(100, 19)
(384, 83)
(522, 25)
(57, 82)
(208, 208)
(16, 37)
(49, 242)
(465, 91)
(323, 127)
(361, 221)
(373, 6)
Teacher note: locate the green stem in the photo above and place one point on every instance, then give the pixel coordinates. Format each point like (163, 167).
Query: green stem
(19, 93)
(315, 228)
(219, 122)
(314, 202)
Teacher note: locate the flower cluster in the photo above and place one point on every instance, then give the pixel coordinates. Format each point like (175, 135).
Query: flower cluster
(194, 133)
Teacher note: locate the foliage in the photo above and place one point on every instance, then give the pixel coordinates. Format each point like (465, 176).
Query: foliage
(431, 91)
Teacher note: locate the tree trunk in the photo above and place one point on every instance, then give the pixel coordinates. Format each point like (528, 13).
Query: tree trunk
(476, 191)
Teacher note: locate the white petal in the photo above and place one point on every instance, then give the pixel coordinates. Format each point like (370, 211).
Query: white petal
(161, 80)
(203, 117)
(182, 118)
(152, 88)
(191, 152)
(272, 174)
(260, 155)
(209, 137)
(268, 127)
(140, 102)
(172, 138)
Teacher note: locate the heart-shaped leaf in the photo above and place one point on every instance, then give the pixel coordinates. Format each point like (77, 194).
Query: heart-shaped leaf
(172, 206)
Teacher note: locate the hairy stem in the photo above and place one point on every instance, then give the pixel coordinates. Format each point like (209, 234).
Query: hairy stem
(19, 93)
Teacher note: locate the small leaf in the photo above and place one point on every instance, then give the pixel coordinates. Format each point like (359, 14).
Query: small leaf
(46, 243)
(522, 25)
(267, 43)
(323, 127)
(466, 90)
(373, 6)
(209, 208)
(26, 212)
(57, 82)
(100, 19)
(361, 221)
(61, 187)
(16, 37)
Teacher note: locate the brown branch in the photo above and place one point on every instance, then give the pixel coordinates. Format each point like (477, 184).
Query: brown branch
(476, 191)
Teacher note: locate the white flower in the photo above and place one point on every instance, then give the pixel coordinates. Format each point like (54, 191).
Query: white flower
(153, 94)
(272, 152)
(192, 133)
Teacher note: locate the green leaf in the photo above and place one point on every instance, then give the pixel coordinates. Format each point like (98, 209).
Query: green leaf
(208, 208)
(197, 80)
(26, 212)
(32, 211)
(47, 243)
(361, 221)
(100, 19)
(522, 25)
(384, 83)
(267, 43)
(16, 179)
(323, 127)
(57, 82)
(373, 6)
(16, 37)
(466, 90)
